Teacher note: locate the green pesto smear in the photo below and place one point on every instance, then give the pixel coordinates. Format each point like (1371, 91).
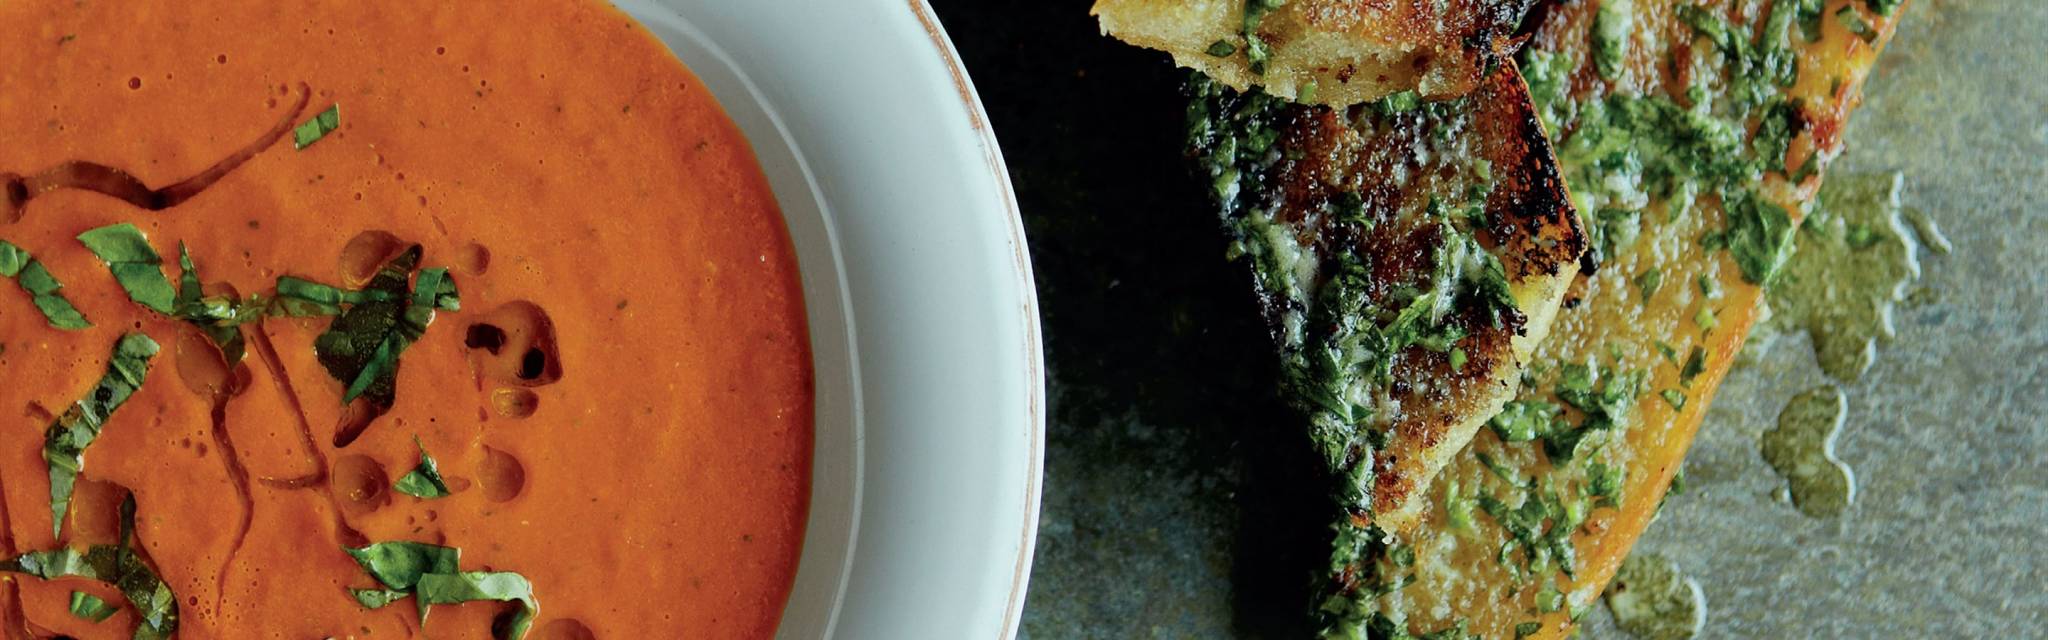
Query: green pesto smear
(1652, 600)
(1850, 269)
(1339, 341)
(1802, 450)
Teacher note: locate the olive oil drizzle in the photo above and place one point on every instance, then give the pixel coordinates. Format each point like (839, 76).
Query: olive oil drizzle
(238, 475)
(17, 190)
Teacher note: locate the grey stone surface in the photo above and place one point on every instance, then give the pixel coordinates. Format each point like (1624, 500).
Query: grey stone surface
(1166, 507)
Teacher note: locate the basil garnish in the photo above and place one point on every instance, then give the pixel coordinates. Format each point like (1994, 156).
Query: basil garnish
(301, 298)
(378, 598)
(155, 606)
(425, 480)
(42, 287)
(313, 130)
(1760, 237)
(362, 346)
(1695, 364)
(399, 565)
(90, 607)
(135, 264)
(484, 586)
(65, 441)
(428, 574)
(220, 317)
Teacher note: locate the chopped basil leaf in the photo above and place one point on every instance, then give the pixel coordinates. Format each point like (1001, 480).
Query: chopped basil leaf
(90, 607)
(58, 311)
(1457, 506)
(1454, 632)
(50, 565)
(436, 289)
(1541, 527)
(313, 130)
(1604, 482)
(1673, 397)
(1714, 240)
(1562, 444)
(1523, 420)
(1549, 77)
(362, 346)
(1617, 390)
(189, 288)
(156, 607)
(301, 298)
(1256, 51)
(12, 259)
(1527, 629)
(1759, 234)
(1782, 121)
(1401, 102)
(428, 573)
(42, 287)
(425, 480)
(1605, 396)
(1669, 352)
(1695, 364)
(482, 586)
(134, 263)
(1611, 27)
(1883, 7)
(378, 598)
(1222, 48)
(1854, 22)
(1500, 471)
(1650, 281)
(154, 603)
(399, 565)
(1705, 319)
(65, 441)
(219, 317)
(1402, 555)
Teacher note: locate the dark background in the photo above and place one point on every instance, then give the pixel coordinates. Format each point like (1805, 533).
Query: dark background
(1167, 445)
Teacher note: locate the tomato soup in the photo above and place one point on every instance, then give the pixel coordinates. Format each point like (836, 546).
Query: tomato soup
(516, 238)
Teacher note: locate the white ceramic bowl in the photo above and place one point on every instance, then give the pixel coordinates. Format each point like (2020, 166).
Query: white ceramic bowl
(923, 317)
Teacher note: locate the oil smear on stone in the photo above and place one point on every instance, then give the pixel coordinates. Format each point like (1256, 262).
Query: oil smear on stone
(1652, 600)
(1802, 450)
(1851, 268)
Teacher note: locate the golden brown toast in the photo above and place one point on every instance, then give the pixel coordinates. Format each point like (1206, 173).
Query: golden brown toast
(1408, 257)
(1693, 148)
(1333, 52)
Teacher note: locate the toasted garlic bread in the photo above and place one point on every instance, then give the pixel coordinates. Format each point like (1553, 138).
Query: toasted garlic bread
(1408, 257)
(1692, 134)
(1332, 52)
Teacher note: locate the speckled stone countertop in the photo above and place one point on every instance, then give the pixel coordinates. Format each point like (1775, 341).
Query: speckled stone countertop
(1168, 507)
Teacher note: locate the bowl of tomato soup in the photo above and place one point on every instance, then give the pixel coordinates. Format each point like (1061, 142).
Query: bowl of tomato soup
(529, 319)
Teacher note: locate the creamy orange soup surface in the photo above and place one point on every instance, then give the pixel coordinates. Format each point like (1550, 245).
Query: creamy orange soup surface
(614, 383)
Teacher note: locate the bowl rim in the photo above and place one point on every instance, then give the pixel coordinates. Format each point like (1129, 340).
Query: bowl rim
(867, 583)
(1035, 348)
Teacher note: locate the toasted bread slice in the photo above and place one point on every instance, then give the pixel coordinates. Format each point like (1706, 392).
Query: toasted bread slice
(1331, 52)
(1523, 529)
(1408, 258)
